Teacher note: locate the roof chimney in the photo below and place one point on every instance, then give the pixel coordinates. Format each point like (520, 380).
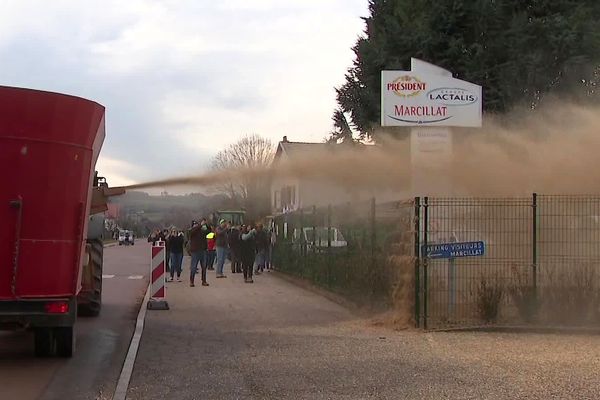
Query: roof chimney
(285, 139)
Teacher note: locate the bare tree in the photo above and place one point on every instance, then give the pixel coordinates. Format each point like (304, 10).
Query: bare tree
(250, 190)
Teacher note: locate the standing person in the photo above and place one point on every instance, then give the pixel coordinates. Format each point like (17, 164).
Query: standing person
(221, 244)
(262, 241)
(272, 240)
(198, 248)
(166, 235)
(210, 249)
(176, 254)
(154, 237)
(233, 241)
(162, 235)
(247, 252)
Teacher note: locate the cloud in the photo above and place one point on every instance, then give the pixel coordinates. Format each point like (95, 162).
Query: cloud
(117, 170)
(183, 78)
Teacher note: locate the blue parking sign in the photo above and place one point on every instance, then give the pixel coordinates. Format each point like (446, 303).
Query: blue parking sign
(453, 250)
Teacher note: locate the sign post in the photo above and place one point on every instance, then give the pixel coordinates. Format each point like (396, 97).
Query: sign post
(452, 282)
(430, 100)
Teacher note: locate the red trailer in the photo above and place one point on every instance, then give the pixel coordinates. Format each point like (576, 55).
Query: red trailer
(49, 144)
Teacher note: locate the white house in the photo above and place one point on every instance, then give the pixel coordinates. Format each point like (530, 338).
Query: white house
(293, 191)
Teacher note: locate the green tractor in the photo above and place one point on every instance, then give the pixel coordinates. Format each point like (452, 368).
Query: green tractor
(236, 217)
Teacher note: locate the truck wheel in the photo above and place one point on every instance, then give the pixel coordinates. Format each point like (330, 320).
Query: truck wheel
(92, 301)
(65, 341)
(44, 342)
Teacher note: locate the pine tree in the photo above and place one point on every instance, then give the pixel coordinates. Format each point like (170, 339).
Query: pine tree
(518, 50)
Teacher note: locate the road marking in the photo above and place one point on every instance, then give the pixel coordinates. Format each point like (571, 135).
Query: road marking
(107, 276)
(125, 377)
(135, 277)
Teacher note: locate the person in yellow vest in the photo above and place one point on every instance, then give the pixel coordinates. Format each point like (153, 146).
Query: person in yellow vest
(211, 249)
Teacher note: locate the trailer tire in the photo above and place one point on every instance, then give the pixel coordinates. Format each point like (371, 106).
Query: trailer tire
(44, 342)
(65, 341)
(93, 300)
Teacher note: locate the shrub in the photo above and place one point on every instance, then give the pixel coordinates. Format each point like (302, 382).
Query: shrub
(489, 297)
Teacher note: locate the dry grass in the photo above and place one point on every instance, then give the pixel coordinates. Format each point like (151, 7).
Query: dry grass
(489, 298)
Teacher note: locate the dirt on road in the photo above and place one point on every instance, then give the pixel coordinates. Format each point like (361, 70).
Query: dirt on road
(273, 340)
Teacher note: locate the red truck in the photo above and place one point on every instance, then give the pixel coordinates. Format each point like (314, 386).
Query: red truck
(51, 213)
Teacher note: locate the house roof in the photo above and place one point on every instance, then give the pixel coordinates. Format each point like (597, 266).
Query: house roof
(292, 149)
(297, 149)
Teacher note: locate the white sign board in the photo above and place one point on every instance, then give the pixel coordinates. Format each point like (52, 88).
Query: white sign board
(424, 98)
(430, 146)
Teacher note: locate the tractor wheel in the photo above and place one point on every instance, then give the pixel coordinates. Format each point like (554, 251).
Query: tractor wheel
(92, 303)
(44, 342)
(65, 341)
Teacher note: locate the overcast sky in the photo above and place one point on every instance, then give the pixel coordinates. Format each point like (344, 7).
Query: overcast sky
(181, 79)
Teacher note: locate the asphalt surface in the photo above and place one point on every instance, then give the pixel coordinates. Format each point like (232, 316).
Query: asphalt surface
(273, 340)
(102, 342)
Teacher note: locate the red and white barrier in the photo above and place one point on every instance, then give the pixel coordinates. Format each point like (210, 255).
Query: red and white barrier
(158, 291)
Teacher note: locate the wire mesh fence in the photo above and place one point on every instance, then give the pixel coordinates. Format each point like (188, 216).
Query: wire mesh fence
(568, 261)
(352, 249)
(471, 290)
(541, 263)
(455, 262)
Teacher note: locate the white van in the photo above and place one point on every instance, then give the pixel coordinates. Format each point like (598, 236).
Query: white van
(126, 238)
(321, 241)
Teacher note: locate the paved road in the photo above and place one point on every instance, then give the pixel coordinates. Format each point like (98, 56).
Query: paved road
(273, 340)
(101, 342)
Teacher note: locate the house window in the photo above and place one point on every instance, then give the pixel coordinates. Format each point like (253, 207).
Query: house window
(276, 200)
(293, 195)
(288, 197)
(285, 196)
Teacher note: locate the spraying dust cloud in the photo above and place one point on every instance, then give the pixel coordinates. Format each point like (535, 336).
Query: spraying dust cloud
(554, 150)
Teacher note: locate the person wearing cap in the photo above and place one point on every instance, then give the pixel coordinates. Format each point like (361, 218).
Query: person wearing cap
(221, 245)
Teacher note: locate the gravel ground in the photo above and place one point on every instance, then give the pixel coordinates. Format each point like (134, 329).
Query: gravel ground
(273, 340)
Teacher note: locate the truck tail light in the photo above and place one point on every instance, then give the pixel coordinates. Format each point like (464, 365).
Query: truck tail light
(57, 307)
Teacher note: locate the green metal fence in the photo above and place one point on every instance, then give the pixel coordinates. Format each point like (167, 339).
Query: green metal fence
(347, 248)
(541, 263)
(465, 291)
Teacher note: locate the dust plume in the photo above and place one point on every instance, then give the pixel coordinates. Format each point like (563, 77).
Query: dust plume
(551, 150)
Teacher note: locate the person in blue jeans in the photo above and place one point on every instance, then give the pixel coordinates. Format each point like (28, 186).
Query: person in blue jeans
(197, 237)
(221, 244)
